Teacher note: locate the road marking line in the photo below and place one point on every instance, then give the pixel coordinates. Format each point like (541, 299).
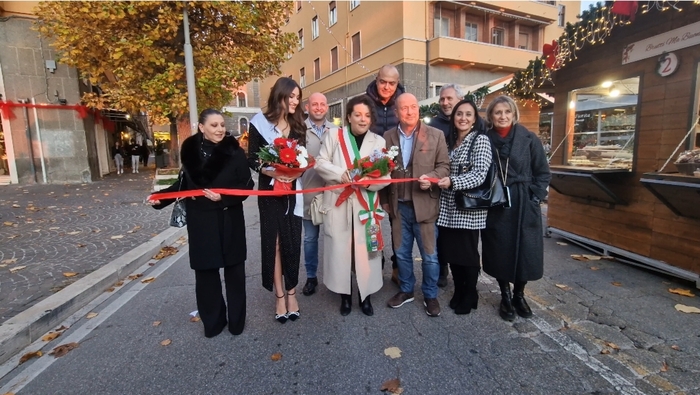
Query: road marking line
(41, 364)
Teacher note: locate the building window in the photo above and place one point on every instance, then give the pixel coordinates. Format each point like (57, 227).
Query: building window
(314, 28)
(332, 13)
(356, 47)
(562, 15)
(302, 77)
(242, 125)
(354, 4)
(471, 32)
(317, 69)
(498, 36)
(242, 102)
(441, 27)
(524, 41)
(334, 59)
(335, 113)
(301, 39)
(297, 5)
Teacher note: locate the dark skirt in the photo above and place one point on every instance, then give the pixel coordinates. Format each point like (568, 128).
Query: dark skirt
(458, 246)
(277, 219)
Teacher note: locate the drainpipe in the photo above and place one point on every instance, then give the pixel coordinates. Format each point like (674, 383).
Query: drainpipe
(427, 51)
(28, 132)
(41, 146)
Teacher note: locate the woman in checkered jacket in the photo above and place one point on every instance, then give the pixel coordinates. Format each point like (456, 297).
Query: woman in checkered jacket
(458, 231)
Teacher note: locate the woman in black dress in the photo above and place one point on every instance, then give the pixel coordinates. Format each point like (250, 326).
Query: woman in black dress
(512, 245)
(280, 217)
(215, 222)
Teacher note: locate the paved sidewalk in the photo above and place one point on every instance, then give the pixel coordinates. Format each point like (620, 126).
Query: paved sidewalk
(57, 229)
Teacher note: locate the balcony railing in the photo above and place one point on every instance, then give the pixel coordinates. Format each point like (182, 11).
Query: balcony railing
(466, 53)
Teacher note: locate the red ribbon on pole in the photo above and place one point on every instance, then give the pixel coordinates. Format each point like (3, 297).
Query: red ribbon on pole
(6, 108)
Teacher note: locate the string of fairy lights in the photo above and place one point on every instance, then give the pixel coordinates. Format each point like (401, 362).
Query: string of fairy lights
(595, 26)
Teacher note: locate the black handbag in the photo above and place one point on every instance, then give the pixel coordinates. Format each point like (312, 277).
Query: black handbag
(491, 193)
(178, 218)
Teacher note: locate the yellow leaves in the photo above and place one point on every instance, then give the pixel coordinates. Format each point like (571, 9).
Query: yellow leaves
(148, 280)
(165, 252)
(166, 342)
(63, 349)
(50, 336)
(9, 261)
(195, 319)
(682, 292)
(613, 346)
(276, 357)
(562, 286)
(156, 323)
(616, 283)
(687, 309)
(116, 237)
(135, 276)
(16, 269)
(392, 352)
(70, 274)
(26, 357)
(91, 315)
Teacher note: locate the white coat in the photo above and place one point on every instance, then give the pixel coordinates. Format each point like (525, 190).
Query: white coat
(344, 234)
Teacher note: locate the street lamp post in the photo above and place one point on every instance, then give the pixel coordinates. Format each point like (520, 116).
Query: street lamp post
(189, 72)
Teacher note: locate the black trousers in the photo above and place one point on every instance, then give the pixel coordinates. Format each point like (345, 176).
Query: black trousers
(210, 299)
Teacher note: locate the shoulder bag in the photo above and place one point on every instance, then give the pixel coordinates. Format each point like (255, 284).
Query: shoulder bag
(491, 193)
(178, 218)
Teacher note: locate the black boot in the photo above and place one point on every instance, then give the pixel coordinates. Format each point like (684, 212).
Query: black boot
(442, 279)
(366, 305)
(345, 304)
(470, 300)
(458, 274)
(506, 309)
(519, 302)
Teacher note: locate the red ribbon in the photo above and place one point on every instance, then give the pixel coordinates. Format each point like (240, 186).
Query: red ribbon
(6, 108)
(247, 192)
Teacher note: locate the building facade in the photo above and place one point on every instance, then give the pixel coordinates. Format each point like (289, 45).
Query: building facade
(342, 44)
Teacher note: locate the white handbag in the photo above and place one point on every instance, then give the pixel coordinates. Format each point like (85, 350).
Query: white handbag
(316, 210)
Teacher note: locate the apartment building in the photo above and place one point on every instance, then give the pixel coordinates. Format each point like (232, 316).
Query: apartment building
(342, 44)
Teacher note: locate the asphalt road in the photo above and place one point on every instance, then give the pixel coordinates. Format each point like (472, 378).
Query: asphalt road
(608, 330)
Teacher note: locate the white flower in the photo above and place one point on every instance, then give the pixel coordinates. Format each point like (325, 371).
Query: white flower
(393, 152)
(301, 151)
(302, 161)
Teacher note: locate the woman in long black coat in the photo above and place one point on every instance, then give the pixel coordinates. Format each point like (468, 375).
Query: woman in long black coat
(215, 223)
(513, 250)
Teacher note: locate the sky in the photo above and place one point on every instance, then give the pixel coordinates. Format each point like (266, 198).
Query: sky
(586, 4)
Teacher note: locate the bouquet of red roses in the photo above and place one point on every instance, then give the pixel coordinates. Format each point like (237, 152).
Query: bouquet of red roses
(377, 164)
(288, 158)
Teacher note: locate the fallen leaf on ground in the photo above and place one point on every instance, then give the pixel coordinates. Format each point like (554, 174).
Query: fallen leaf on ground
(612, 345)
(276, 356)
(116, 237)
(675, 347)
(80, 245)
(681, 291)
(418, 259)
(134, 276)
(70, 274)
(8, 223)
(166, 342)
(148, 280)
(16, 206)
(110, 289)
(616, 283)
(156, 323)
(63, 349)
(594, 268)
(562, 286)
(664, 367)
(393, 386)
(26, 357)
(75, 232)
(165, 251)
(393, 352)
(9, 261)
(561, 243)
(607, 257)
(687, 309)
(194, 319)
(50, 336)
(61, 328)
(13, 236)
(119, 283)
(137, 227)
(579, 257)
(16, 269)
(592, 257)
(54, 228)
(605, 351)
(91, 315)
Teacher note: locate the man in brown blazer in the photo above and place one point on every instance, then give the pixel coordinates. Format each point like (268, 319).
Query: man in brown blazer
(414, 206)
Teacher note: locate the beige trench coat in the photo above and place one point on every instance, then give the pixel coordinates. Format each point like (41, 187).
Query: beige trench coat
(344, 235)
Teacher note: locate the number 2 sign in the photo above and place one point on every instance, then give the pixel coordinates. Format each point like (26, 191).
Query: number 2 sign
(667, 64)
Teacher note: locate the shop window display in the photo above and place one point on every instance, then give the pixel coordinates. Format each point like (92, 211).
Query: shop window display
(605, 125)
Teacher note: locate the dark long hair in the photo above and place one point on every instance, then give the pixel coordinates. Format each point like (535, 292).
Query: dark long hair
(279, 94)
(478, 122)
(362, 99)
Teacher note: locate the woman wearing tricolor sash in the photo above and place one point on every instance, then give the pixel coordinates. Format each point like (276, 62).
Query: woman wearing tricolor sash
(351, 221)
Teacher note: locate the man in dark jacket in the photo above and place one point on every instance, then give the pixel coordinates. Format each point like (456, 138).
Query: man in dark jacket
(450, 95)
(384, 90)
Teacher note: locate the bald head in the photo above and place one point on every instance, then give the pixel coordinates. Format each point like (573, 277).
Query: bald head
(317, 107)
(387, 82)
(407, 111)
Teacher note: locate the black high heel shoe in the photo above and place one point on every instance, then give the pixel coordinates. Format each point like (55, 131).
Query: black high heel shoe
(293, 315)
(281, 318)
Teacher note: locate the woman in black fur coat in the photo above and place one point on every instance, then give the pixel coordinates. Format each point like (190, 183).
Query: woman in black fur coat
(215, 223)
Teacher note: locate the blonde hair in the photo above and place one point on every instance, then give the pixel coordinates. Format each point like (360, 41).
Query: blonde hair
(502, 99)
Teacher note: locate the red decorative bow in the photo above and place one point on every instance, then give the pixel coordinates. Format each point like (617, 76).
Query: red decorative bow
(550, 52)
(625, 8)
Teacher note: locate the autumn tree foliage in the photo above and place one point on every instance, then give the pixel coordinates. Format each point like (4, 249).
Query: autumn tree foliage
(134, 50)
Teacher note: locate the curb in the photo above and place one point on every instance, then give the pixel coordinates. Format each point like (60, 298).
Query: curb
(24, 328)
